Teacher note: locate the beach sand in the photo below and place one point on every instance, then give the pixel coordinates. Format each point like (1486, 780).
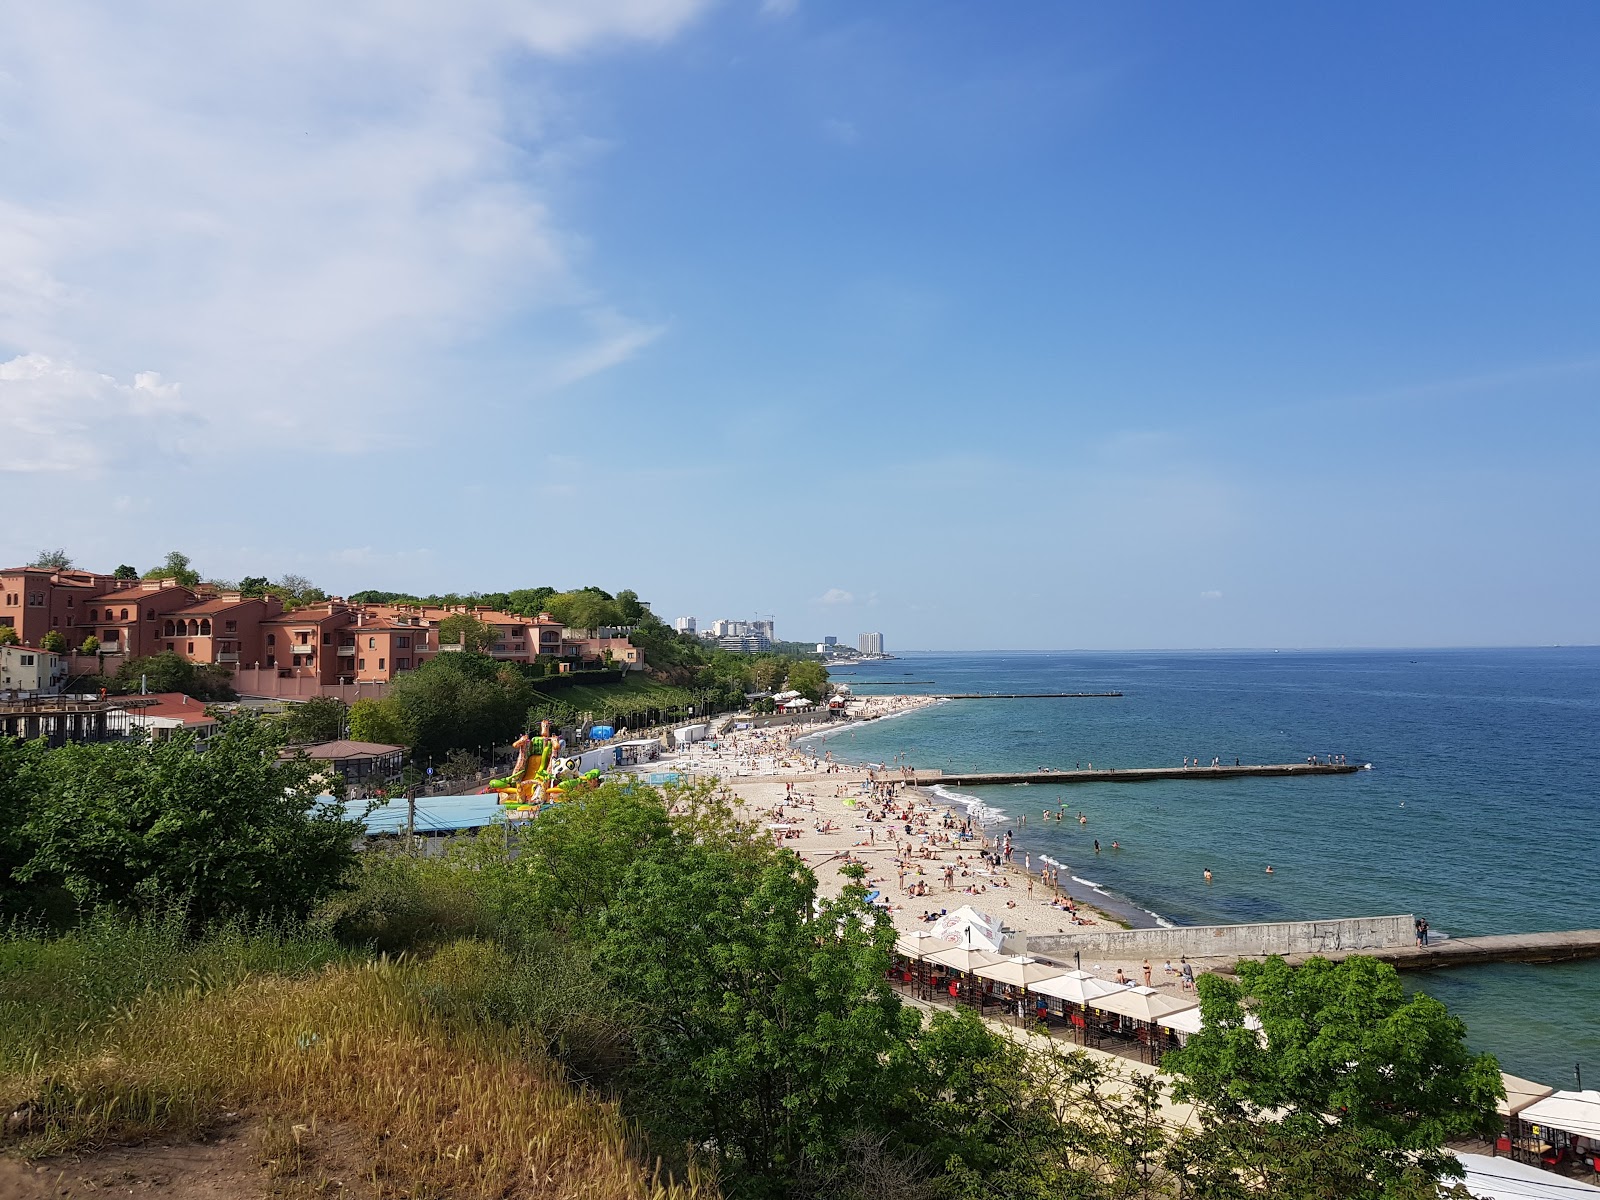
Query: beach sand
(834, 814)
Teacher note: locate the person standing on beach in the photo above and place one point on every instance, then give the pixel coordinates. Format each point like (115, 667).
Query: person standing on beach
(1147, 982)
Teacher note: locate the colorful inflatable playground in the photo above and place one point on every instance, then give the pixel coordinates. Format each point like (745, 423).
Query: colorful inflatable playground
(541, 776)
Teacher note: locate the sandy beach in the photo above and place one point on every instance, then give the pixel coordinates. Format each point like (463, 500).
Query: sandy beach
(923, 854)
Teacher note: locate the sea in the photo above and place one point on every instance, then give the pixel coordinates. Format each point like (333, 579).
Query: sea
(1481, 810)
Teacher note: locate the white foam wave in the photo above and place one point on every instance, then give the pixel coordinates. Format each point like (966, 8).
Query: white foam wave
(1089, 883)
(974, 806)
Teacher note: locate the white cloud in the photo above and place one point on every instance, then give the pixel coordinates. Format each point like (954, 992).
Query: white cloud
(779, 8)
(58, 417)
(836, 596)
(294, 207)
(1211, 595)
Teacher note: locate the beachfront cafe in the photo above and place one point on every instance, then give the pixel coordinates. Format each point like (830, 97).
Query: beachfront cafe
(1560, 1130)
(954, 972)
(1067, 998)
(1010, 980)
(1130, 1014)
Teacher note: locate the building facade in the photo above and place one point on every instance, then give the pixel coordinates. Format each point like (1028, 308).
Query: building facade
(29, 671)
(870, 643)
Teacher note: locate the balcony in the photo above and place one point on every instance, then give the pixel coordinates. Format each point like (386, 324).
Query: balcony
(228, 656)
(347, 650)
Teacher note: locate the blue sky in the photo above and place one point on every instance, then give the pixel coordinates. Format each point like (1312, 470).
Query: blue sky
(1026, 325)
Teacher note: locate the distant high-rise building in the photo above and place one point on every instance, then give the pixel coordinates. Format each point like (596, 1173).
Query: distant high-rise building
(684, 625)
(830, 641)
(870, 643)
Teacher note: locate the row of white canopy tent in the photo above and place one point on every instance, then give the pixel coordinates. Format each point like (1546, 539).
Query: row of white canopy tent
(1143, 1004)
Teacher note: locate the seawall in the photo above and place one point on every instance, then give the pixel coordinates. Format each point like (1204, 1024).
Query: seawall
(1232, 941)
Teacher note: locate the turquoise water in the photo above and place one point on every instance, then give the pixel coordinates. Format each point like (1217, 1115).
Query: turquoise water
(1481, 811)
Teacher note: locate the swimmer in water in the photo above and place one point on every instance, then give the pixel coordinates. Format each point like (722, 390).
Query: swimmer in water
(1208, 874)
(1269, 868)
(1116, 845)
(1097, 845)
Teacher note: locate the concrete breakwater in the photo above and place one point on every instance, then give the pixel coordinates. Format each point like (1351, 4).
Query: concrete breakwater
(1134, 774)
(1327, 938)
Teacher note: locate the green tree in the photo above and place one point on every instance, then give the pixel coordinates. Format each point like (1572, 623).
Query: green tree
(586, 608)
(20, 789)
(91, 645)
(763, 1029)
(381, 721)
(319, 719)
(171, 672)
(53, 641)
(124, 571)
(466, 631)
(234, 831)
(10, 637)
(1347, 1067)
(53, 560)
(576, 857)
(296, 591)
(810, 679)
(176, 566)
(254, 585)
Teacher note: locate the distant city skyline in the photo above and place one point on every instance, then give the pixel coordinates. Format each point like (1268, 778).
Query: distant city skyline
(1052, 326)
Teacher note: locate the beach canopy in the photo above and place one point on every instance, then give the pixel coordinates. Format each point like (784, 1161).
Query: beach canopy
(969, 927)
(961, 958)
(1018, 971)
(1574, 1112)
(1187, 1020)
(1519, 1094)
(1077, 987)
(919, 945)
(1141, 1003)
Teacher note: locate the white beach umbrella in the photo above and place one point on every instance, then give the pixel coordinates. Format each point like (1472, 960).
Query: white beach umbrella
(962, 958)
(1075, 987)
(919, 945)
(1019, 971)
(1575, 1112)
(970, 927)
(1141, 1003)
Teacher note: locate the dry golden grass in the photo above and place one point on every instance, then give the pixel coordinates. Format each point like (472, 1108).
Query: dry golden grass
(447, 1109)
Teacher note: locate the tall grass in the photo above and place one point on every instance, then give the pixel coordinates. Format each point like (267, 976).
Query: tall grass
(55, 990)
(447, 1105)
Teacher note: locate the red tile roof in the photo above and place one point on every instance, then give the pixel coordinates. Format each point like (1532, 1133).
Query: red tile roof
(175, 704)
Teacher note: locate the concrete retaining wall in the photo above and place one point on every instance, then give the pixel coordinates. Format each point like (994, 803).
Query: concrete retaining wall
(1234, 941)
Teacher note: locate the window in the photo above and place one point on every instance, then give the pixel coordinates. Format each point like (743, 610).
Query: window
(191, 647)
(402, 664)
(403, 641)
(170, 646)
(380, 664)
(36, 599)
(94, 615)
(361, 664)
(305, 636)
(149, 614)
(71, 600)
(109, 635)
(56, 621)
(372, 643)
(271, 660)
(231, 626)
(327, 639)
(27, 660)
(124, 615)
(272, 639)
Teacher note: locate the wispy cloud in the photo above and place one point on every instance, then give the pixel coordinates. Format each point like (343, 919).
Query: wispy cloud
(289, 208)
(836, 596)
(779, 8)
(59, 417)
(1213, 594)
